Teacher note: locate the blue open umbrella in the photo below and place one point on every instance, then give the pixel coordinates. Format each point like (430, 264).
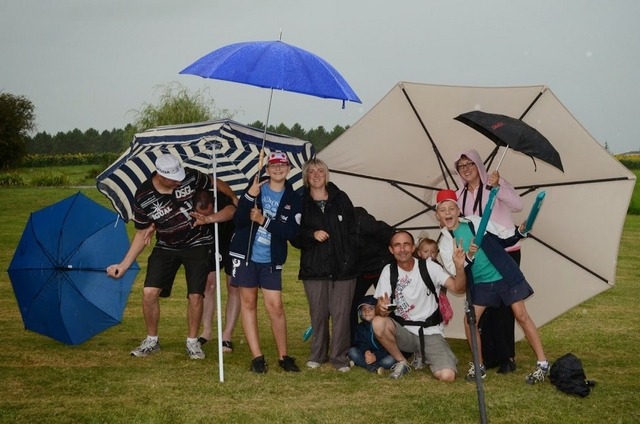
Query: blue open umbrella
(275, 65)
(58, 271)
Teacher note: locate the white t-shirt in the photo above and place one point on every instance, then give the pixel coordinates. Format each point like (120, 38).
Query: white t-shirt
(415, 302)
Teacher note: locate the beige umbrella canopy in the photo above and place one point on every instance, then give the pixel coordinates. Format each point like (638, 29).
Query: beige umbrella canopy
(394, 159)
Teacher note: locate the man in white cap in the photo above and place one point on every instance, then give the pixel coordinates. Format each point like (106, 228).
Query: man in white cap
(166, 201)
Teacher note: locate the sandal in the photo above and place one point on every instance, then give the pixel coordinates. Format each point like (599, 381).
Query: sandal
(227, 346)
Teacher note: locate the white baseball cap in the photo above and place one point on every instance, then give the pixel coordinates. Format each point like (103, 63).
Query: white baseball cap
(169, 167)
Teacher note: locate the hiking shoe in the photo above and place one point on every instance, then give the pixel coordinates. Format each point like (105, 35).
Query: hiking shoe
(288, 364)
(258, 365)
(399, 369)
(313, 365)
(471, 374)
(194, 350)
(146, 348)
(538, 375)
(417, 363)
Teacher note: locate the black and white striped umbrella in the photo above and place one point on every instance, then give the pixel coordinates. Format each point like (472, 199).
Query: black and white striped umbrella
(224, 148)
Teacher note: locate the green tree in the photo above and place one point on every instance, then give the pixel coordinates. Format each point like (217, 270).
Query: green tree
(17, 120)
(176, 105)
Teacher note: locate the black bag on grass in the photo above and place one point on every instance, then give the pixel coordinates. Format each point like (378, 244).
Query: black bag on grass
(568, 376)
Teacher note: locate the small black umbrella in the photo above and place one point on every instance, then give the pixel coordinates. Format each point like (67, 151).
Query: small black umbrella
(512, 133)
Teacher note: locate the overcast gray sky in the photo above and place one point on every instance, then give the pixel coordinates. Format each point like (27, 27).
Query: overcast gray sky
(88, 63)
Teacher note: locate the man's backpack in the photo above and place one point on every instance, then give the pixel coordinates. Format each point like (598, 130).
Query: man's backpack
(568, 376)
(434, 319)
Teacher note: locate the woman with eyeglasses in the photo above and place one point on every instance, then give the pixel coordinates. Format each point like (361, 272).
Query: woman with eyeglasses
(497, 325)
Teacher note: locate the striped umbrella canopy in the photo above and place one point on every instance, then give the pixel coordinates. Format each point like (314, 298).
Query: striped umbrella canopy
(224, 148)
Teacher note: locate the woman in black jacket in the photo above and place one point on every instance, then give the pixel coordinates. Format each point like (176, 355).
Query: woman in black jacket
(328, 264)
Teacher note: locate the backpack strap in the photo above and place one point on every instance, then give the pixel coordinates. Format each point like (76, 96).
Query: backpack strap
(434, 319)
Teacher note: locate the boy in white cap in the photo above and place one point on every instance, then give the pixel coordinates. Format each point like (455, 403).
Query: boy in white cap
(268, 216)
(165, 201)
(492, 275)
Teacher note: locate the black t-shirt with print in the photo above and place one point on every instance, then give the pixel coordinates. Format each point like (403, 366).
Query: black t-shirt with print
(170, 212)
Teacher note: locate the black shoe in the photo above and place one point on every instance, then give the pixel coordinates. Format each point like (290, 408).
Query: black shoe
(288, 364)
(507, 366)
(202, 341)
(258, 365)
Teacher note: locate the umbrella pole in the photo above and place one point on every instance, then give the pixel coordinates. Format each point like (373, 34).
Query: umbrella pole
(264, 138)
(471, 319)
(214, 165)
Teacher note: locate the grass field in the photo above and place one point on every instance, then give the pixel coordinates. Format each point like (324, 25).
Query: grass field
(42, 380)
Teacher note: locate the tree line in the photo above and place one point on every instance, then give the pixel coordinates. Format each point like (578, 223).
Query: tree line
(117, 140)
(176, 105)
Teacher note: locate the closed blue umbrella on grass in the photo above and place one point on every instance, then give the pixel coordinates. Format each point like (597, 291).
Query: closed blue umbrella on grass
(58, 271)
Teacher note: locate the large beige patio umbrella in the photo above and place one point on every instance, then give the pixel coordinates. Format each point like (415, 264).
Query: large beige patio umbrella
(396, 156)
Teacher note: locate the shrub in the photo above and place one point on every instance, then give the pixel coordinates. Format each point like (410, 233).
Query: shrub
(11, 180)
(50, 180)
(630, 161)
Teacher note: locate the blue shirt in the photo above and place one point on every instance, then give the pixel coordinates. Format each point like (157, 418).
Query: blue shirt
(261, 252)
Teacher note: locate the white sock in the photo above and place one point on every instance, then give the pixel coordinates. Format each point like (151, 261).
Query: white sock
(152, 338)
(192, 340)
(543, 364)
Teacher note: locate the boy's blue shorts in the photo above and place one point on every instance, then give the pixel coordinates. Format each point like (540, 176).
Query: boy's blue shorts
(264, 276)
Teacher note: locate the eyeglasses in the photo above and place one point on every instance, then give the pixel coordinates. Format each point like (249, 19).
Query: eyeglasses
(464, 166)
(277, 165)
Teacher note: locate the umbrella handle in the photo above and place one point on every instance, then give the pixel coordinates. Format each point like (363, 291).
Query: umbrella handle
(498, 166)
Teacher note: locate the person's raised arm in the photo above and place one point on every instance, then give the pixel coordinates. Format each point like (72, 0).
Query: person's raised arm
(225, 188)
(458, 283)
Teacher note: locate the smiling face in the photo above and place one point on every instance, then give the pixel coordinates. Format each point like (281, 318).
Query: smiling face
(316, 176)
(402, 247)
(468, 170)
(278, 172)
(448, 213)
(368, 312)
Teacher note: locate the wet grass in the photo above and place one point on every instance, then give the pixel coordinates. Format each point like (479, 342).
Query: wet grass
(98, 382)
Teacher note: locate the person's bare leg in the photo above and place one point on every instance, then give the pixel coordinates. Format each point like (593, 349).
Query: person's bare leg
(249, 313)
(194, 314)
(479, 310)
(151, 309)
(208, 306)
(385, 332)
(232, 310)
(275, 309)
(529, 328)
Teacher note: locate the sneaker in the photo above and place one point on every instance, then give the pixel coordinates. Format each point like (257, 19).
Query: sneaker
(471, 374)
(399, 369)
(538, 375)
(417, 363)
(258, 365)
(147, 347)
(194, 350)
(288, 364)
(313, 365)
